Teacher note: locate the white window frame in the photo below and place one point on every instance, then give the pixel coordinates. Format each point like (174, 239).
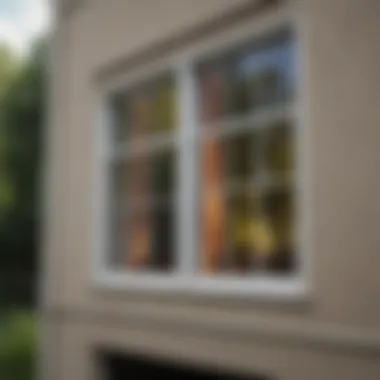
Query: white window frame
(188, 278)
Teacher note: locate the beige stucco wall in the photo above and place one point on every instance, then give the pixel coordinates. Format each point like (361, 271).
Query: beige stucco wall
(335, 332)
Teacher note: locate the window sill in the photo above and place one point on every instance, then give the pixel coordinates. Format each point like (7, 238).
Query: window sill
(271, 288)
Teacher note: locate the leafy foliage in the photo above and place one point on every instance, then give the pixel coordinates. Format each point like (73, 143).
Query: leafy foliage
(17, 346)
(21, 120)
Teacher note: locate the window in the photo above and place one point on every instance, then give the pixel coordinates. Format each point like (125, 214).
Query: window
(246, 158)
(202, 169)
(143, 176)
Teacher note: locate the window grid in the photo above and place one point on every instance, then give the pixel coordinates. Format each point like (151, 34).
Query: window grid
(184, 141)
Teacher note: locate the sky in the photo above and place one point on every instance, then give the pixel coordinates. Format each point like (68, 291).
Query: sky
(21, 21)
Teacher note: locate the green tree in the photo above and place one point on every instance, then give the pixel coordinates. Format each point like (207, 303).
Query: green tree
(18, 346)
(21, 118)
(8, 68)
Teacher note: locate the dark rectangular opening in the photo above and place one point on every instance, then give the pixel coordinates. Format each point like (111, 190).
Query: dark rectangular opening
(116, 366)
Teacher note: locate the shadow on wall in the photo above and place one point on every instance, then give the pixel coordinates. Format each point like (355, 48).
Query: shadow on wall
(119, 367)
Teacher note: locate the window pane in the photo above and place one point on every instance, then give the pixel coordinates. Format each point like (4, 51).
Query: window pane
(119, 114)
(145, 110)
(239, 98)
(267, 74)
(143, 239)
(164, 106)
(117, 232)
(244, 233)
(212, 95)
(163, 174)
(131, 182)
(142, 194)
(240, 157)
(144, 178)
(246, 78)
(246, 226)
(228, 164)
(162, 239)
(139, 105)
(212, 203)
(131, 114)
(279, 152)
(279, 211)
(228, 240)
(241, 211)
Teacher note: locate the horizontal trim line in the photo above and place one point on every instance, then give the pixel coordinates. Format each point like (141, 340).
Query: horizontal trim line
(313, 336)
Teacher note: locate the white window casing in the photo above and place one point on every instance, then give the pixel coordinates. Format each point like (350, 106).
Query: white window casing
(186, 278)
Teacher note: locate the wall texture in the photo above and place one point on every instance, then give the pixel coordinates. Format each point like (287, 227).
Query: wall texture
(332, 334)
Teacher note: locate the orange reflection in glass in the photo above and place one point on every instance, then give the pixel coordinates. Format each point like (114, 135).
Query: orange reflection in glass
(212, 200)
(138, 248)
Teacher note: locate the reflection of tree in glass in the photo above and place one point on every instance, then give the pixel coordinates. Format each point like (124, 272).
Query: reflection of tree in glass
(279, 208)
(212, 99)
(212, 206)
(279, 150)
(240, 158)
(211, 87)
(164, 107)
(120, 117)
(140, 240)
(240, 209)
(162, 247)
(162, 167)
(264, 87)
(140, 236)
(140, 114)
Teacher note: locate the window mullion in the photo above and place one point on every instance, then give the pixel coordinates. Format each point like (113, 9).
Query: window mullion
(102, 186)
(186, 236)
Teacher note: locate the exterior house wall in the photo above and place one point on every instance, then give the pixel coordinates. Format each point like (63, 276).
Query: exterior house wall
(331, 333)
